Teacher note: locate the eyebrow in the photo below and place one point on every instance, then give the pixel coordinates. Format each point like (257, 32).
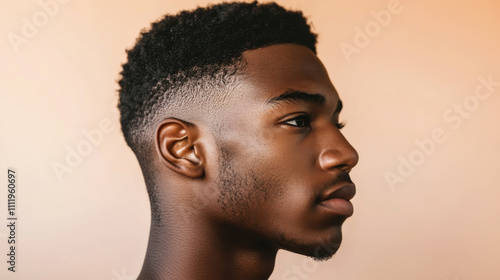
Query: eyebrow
(297, 96)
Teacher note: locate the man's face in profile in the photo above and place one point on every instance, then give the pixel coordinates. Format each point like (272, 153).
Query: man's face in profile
(231, 102)
(283, 163)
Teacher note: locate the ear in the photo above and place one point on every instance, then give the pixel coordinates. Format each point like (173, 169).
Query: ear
(177, 147)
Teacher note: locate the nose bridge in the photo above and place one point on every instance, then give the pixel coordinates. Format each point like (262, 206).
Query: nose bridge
(336, 152)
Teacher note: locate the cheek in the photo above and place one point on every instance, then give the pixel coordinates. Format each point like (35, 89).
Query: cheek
(287, 168)
(291, 185)
(289, 213)
(295, 162)
(282, 192)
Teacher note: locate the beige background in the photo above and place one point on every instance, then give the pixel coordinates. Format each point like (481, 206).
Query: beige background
(440, 223)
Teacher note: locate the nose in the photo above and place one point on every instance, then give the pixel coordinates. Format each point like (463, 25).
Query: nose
(337, 152)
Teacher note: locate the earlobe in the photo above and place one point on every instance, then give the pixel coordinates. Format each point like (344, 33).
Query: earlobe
(176, 145)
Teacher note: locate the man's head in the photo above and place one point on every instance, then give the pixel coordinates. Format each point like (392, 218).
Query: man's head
(232, 102)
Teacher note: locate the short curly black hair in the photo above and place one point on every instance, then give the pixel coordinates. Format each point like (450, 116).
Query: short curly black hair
(196, 49)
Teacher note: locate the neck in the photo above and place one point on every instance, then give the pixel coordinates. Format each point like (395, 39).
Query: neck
(196, 248)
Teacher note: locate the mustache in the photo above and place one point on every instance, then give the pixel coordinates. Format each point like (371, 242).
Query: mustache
(343, 177)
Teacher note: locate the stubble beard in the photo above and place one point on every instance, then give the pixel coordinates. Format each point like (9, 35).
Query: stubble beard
(239, 192)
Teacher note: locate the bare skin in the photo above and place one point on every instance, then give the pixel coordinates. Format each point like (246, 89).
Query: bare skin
(276, 177)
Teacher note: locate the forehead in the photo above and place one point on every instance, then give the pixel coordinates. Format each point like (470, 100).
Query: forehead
(275, 69)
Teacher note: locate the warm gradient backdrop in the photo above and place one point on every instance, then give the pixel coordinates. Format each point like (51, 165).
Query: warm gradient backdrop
(422, 96)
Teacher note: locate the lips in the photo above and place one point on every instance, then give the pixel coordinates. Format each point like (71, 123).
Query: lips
(346, 192)
(337, 200)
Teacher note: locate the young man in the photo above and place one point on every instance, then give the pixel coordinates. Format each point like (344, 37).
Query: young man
(235, 124)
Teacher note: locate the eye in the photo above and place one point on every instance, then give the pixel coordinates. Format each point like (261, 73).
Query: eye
(299, 121)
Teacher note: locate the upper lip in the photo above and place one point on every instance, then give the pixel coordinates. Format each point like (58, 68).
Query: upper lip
(345, 191)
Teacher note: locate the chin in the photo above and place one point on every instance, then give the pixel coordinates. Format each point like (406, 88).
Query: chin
(325, 249)
(318, 251)
(319, 246)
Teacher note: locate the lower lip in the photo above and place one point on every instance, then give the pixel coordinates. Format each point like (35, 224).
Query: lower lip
(338, 206)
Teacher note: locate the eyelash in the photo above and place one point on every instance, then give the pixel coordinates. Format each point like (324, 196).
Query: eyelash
(307, 119)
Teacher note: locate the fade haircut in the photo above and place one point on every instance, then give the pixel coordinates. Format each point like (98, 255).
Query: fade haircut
(187, 61)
